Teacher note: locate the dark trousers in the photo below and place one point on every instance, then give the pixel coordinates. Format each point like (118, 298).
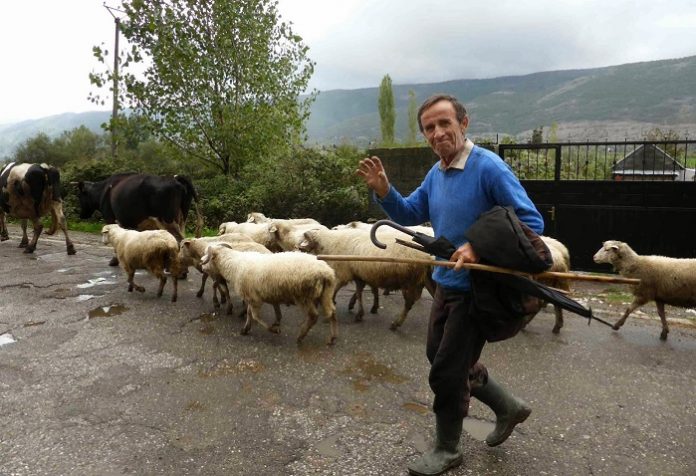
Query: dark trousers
(454, 346)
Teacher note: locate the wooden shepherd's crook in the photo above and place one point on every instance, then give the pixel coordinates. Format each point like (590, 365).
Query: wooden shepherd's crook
(482, 267)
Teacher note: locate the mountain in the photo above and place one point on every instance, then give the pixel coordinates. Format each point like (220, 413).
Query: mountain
(12, 135)
(611, 103)
(615, 102)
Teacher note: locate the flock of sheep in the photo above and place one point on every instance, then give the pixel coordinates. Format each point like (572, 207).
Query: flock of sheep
(273, 261)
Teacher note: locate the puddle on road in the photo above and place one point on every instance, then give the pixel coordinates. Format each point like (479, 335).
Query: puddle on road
(6, 339)
(107, 311)
(416, 407)
(95, 282)
(364, 370)
(478, 429)
(328, 447)
(86, 297)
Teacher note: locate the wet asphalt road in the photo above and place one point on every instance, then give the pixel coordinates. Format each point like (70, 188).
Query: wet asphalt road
(146, 386)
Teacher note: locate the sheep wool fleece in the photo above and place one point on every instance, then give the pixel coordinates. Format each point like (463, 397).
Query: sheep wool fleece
(452, 200)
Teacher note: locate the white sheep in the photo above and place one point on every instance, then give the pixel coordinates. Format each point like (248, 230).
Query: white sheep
(561, 264)
(192, 250)
(663, 280)
(282, 278)
(154, 250)
(287, 235)
(258, 217)
(259, 232)
(409, 278)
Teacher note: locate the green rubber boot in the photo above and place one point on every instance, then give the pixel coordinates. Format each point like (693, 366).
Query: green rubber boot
(509, 410)
(445, 455)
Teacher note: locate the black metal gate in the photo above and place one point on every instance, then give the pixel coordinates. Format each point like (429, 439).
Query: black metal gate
(592, 192)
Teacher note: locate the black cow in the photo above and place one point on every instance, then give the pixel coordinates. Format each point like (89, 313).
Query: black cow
(140, 201)
(28, 192)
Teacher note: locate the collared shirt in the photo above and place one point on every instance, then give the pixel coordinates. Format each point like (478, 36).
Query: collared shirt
(460, 160)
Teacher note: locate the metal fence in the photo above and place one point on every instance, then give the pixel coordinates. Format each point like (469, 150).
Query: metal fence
(673, 161)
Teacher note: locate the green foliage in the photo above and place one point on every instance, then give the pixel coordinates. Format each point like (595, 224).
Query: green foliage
(221, 79)
(387, 111)
(537, 135)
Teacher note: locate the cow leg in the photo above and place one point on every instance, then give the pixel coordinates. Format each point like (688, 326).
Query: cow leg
(38, 227)
(54, 221)
(4, 236)
(25, 239)
(59, 221)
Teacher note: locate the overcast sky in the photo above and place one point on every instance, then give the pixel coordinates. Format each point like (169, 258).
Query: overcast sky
(45, 45)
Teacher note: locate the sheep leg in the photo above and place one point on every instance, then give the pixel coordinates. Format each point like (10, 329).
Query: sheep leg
(131, 283)
(661, 311)
(204, 278)
(375, 299)
(241, 314)
(559, 319)
(329, 310)
(162, 282)
(278, 317)
(351, 303)
(359, 286)
(637, 302)
(175, 285)
(310, 320)
(410, 297)
(247, 323)
(216, 287)
(256, 314)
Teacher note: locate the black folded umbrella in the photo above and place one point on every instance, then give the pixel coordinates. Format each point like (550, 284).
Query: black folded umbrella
(443, 248)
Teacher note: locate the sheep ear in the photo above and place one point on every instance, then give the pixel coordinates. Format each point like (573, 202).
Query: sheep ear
(303, 245)
(186, 243)
(273, 228)
(615, 247)
(224, 245)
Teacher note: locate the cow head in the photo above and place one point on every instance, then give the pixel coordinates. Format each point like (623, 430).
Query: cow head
(89, 201)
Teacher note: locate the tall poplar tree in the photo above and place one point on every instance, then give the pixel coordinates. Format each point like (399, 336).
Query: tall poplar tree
(412, 118)
(387, 111)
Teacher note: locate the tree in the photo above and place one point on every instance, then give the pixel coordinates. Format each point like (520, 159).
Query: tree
(412, 118)
(537, 135)
(387, 112)
(221, 79)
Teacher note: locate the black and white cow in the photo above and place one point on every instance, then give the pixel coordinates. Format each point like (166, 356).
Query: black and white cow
(28, 192)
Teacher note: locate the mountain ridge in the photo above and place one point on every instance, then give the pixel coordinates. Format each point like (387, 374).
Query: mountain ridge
(606, 103)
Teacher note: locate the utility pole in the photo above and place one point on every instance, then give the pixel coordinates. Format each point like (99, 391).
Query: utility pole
(114, 110)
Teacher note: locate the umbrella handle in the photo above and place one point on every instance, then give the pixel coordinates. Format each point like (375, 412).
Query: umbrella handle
(378, 223)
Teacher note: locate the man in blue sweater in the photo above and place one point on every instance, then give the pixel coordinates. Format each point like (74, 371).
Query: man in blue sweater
(467, 181)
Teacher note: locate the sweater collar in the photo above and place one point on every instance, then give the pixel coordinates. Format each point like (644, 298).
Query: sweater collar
(460, 160)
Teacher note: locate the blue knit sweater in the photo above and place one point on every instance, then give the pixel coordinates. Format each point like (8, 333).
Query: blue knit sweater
(453, 199)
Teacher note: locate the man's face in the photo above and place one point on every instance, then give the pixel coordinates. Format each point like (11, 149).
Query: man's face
(442, 131)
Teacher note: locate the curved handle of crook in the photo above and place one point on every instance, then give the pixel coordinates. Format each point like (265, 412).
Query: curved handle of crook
(373, 231)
